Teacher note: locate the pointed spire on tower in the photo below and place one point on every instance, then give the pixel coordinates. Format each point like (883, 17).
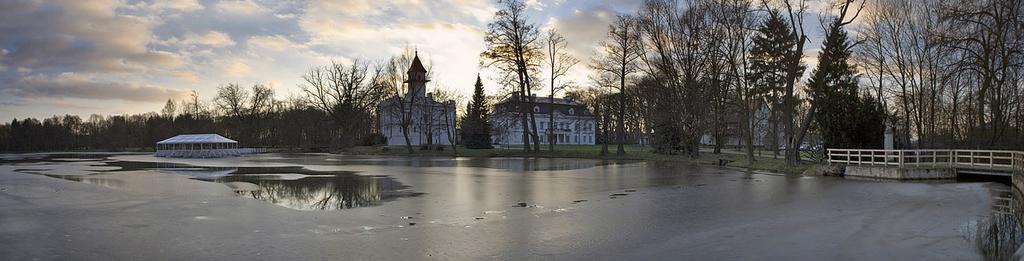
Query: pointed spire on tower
(417, 66)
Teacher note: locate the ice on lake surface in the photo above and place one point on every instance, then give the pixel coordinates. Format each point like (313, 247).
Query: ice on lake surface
(281, 179)
(512, 208)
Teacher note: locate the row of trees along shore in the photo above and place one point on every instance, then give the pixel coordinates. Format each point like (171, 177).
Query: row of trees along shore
(940, 73)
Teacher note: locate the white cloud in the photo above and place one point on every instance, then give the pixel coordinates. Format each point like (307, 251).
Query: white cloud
(237, 69)
(244, 7)
(271, 42)
(175, 5)
(535, 4)
(446, 33)
(212, 39)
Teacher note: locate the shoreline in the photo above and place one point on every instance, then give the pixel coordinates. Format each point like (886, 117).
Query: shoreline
(730, 160)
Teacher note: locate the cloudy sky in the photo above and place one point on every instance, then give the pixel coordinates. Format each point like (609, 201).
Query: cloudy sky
(113, 57)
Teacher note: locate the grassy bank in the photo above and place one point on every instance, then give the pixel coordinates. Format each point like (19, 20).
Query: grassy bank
(633, 152)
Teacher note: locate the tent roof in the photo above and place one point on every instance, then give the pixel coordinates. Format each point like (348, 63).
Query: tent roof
(196, 139)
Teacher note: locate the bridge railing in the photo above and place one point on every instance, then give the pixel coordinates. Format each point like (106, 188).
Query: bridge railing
(1018, 164)
(976, 159)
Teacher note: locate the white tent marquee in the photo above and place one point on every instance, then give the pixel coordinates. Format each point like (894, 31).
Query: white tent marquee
(199, 146)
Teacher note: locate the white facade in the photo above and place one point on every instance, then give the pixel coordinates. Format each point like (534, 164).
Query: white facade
(428, 121)
(573, 122)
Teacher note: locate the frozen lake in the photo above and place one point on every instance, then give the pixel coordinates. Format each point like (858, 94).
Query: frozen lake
(329, 207)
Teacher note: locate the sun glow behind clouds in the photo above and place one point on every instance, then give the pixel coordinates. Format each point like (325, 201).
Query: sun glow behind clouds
(107, 57)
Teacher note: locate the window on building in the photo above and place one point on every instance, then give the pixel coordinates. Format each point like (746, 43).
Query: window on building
(536, 108)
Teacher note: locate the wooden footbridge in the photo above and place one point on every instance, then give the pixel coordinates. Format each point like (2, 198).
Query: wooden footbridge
(978, 162)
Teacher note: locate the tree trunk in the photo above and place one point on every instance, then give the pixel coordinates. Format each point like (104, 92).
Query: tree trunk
(620, 128)
(604, 133)
(551, 118)
(750, 134)
(793, 152)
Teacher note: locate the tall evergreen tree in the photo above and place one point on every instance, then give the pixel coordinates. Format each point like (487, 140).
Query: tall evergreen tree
(476, 126)
(773, 42)
(844, 118)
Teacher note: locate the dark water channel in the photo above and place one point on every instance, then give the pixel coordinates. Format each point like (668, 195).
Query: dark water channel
(1000, 234)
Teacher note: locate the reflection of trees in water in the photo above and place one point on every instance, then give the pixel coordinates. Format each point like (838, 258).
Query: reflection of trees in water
(998, 236)
(513, 163)
(533, 164)
(321, 193)
(106, 182)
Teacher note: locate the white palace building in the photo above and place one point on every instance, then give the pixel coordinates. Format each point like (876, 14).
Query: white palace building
(429, 121)
(574, 124)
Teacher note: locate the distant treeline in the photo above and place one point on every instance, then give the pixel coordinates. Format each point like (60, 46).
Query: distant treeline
(292, 128)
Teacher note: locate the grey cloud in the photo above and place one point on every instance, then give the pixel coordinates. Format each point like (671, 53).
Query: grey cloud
(76, 87)
(77, 36)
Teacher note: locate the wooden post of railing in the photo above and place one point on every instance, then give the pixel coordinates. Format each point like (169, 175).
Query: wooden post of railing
(991, 160)
(917, 158)
(934, 158)
(873, 157)
(952, 153)
(899, 153)
(972, 158)
(828, 156)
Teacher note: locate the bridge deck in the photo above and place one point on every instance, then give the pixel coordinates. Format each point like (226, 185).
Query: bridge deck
(983, 162)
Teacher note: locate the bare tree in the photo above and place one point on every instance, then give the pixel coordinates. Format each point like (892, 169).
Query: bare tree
(169, 109)
(736, 20)
(449, 102)
(678, 49)
(559, 64)
(512, 46)
(347, 93)
(621, 53)
(399, 108)
(231, 99)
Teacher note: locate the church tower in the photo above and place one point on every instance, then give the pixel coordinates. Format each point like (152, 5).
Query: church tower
(417, 78)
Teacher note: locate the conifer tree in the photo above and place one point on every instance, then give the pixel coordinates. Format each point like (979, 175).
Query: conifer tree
(476, 126)
(845, 119)
(773, 42)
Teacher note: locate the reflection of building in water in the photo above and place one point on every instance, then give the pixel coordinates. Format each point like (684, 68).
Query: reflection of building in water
(534, 164)
(321, 192)
(201, 173)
